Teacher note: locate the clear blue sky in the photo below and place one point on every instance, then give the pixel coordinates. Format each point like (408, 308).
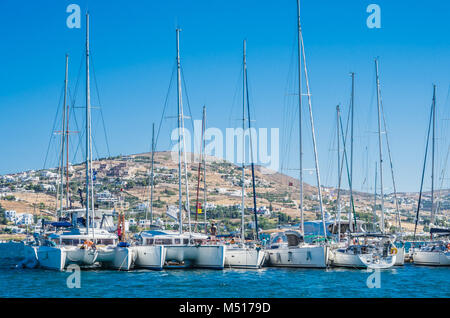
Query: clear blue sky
(133, 49)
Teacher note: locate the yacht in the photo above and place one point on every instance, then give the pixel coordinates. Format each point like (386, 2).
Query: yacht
(288, 249)
(190, 249)
(435, 253)
(376, 251)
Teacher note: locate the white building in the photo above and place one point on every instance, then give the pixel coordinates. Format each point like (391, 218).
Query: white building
(106, 196)
(10, 215)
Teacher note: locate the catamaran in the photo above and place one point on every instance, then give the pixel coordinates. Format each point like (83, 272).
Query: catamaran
(84, 244)
(185, 248)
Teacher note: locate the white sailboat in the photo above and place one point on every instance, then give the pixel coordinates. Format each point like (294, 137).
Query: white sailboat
(148, 255)
(292, 251)
(84, 245)
(244, 255)
(190, 249)
(435, 253)
(377, 250)
(288, 249)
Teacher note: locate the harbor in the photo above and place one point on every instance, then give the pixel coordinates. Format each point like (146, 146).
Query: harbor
(235, 211)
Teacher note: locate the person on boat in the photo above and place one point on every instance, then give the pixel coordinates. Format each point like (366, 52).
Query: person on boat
(119, 232)
(213, 230)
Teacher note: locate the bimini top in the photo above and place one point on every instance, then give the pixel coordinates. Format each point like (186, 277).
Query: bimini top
(440, 231)
(373, 234)
(153, 233)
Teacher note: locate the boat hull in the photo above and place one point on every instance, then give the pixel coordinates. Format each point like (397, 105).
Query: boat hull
(342, 259)
(50, 257)
(400, 259)
(303, 257)
(237, 257)
(201, 256)
(117, 257)
(431, 258)
(150, 256)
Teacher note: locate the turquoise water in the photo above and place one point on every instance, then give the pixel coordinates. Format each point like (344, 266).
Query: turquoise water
(406, 281)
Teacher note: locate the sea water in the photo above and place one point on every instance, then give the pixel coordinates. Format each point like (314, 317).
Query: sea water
(402, 281)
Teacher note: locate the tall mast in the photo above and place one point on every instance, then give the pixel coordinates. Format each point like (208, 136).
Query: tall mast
(243, 147)
(299, 29)
(204, 165)
(316, 158)
(432, 154)
(252, 163)
(88, 124)
(67, 131)
(180, 204)
(352, 101)
(375, 199)
(423, 168)
(197, 203)
(63, 140)
(152, 176)
(338, 115)
(380, 146)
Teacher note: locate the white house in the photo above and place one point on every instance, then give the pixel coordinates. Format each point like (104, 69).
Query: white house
(10, 215)
(24, 219)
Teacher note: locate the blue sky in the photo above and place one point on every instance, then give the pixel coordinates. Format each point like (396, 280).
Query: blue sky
(133, 49)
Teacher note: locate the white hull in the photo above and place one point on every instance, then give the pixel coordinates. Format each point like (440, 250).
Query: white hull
(431, 258)
(116, 257)
(340, 259)
(244, 257)
(148, 256)
(51, 257)
(12, 250)
(303, 256)
(204, 256)
(400, 259)
(80, 256)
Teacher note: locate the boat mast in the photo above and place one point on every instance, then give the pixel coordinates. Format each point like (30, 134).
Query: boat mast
(88, 126)
(423, 171)
(299, 30)
(432, 154)
(352, 206)
(63, 141)
(180, 204)
(316, 159)
(204, 166)
(152, 176)
(252, 163)
(338, 115)
(243, 147)
(197, 206)
(380, 146)
(67, 131)
(375, 199)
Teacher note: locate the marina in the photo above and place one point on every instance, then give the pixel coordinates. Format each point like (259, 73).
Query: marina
(189, 220)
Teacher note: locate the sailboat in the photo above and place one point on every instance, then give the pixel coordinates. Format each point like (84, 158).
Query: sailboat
(187, 249)
(436, 252)
(289, 249)
(148, 255)
(85, 243)
(367, 250)
(244, 255)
